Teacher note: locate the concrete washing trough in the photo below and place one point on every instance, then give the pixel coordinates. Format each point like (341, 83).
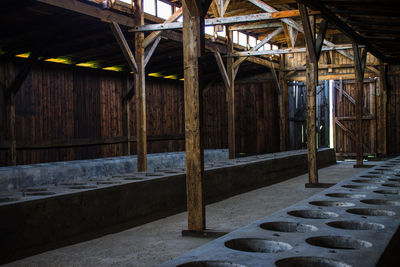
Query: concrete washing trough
(354, 223)
(53, 205)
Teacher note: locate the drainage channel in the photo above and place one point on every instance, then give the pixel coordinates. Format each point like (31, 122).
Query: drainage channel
(349, 224)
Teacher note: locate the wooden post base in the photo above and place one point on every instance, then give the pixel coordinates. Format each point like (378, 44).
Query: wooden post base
(207, 233)
(319, 185)
(362, 166)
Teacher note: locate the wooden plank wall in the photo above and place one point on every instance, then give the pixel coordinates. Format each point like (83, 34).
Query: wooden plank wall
(393, 110)
(66, 113)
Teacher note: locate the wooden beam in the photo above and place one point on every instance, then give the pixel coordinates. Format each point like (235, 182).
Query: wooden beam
(123, 44)
(193, 142)
(140, 92)
(10, 131)
(17, 82)
(219, 21)
(283, 101)
(320, 39)
(287, 51)
(359, 71)
(150, 51)
(230, 97)
(154, 35)
(222, 69)
(381, 111)
(337, 76)
(312, 82)
(106, 15)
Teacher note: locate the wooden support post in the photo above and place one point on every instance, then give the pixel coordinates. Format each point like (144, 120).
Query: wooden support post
(140, 91)
(230, 97)
(313, 52)
(283, 115)
(10, 134)
(381, 111)
(359, 66)
(192, 38)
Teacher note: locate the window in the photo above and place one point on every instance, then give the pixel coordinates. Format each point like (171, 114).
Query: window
(164, 10)
(252, 41)
(274, 47)
(267, 46)
(149, 6)
(242, 39)
(127, 1)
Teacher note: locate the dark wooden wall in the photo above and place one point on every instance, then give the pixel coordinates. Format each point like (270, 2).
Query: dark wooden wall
(393, 110)
(66, 113)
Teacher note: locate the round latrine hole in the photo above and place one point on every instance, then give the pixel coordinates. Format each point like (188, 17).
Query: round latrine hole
(82, 187)
(382, 169)
(381, 202)
(210, 264)
(108, 182)
(332, 203)
(153, 174)
(371, 212)
(370, 181)
(310, 262)
(394, 179)
(313, 214)
(133, 179)
(39, 193)
(372, 172)
(353, 186)
(371, 176)
(257, 245)
(4, 199)
(345, 195)
(289, 227)
(391, 185)
(356, 225)
(389, 192)
(338, 242)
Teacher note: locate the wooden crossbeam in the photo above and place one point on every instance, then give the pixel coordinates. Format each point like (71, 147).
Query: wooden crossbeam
(150, 51)
(256, 26)
(126, 50)
(21, 76)
(220, 21)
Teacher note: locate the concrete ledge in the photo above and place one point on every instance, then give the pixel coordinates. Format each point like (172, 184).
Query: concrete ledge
(39, 219)
(354, 223)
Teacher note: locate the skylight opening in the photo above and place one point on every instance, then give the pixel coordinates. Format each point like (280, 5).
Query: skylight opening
(252, 41)
(209, 30)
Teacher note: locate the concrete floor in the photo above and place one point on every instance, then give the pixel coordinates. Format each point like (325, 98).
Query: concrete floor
(154, 243)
